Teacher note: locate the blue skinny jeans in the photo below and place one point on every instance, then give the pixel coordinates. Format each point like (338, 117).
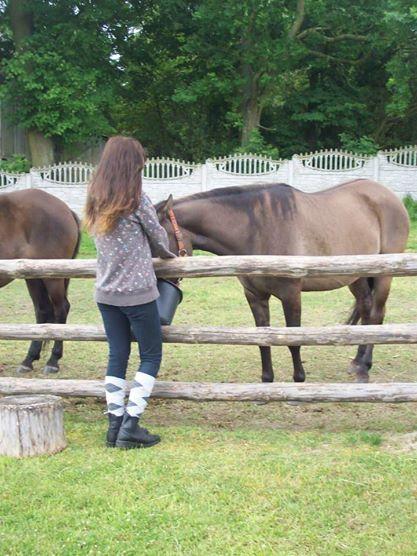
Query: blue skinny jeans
(143, 321)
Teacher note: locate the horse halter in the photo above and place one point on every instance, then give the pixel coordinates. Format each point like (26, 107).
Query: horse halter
(182, 251)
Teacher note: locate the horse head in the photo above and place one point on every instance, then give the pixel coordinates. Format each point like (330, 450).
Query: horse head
(180, 240)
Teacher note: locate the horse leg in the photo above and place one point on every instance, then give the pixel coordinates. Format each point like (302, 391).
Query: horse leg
(362, 311)
(381, 291)
(260, 310)
(291, 303)
(43, 312)
(57, 291)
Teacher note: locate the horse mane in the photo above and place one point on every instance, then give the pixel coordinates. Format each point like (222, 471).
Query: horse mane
(232, 191)
(243, 197)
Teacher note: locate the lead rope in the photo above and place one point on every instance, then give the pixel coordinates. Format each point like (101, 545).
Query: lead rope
(182, 251)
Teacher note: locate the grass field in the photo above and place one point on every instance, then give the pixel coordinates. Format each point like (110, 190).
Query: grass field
(228, 478)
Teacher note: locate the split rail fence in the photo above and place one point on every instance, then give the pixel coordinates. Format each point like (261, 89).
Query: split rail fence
(192, 267)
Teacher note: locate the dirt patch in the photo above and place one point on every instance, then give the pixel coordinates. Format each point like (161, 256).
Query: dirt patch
(390, 419)
(402, 443)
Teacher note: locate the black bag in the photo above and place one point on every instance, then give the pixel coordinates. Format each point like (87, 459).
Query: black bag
(170, 296)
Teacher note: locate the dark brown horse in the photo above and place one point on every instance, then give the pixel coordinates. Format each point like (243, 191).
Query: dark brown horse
(355, 218)
(36, 225)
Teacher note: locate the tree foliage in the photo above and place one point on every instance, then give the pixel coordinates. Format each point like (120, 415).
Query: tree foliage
(62, 79)
(199, 78)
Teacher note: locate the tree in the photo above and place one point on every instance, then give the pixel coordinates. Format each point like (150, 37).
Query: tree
(157, 107)
(61, 76)
(399, 121)
(201, 78)
(269, 53)
(21, 23)
(222, 74)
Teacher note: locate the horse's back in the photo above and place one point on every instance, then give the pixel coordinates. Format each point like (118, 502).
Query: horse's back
(340, 220)
(37, 225)
(37, 199)
(371, 207)
(360, 217)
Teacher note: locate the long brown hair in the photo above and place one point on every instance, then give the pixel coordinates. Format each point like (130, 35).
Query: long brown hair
(116, 186)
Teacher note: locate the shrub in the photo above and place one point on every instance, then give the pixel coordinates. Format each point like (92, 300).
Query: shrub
(360, 145)
(16, 164)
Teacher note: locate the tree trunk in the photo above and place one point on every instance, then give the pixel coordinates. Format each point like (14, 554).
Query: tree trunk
(251, 119)
(41, 148)
(21, 21)
(31, 426)
(251, 105)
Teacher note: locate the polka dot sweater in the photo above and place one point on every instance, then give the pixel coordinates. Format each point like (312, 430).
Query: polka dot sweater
(125, 274)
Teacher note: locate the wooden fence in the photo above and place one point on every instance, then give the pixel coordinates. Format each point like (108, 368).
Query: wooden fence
(292, 267)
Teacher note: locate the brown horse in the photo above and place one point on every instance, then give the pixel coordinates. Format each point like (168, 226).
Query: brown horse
(36, 225)
(355, 218)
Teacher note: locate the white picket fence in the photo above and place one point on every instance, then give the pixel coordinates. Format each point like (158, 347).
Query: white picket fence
(396, 168)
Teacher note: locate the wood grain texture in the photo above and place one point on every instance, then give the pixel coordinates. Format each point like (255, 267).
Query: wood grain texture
(404, 264)
(201, 391)
(262, 336)
(31, 425)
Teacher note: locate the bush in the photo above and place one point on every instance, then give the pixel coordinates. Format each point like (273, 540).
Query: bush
(258, 146)
(16, 164)
(360, 145)
(411, 206)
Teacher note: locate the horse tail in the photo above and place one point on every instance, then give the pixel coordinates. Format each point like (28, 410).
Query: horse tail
(355, 315)
(77, 245)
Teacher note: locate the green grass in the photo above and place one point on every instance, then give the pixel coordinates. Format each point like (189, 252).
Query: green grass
(412, 242)
(87, 247)
(240, 478)
(210, 492)
(411, 206)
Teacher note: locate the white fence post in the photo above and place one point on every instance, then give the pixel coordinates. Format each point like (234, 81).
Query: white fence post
(291, 170)
(204, 176)
(209, 170)
(30, 178)
(376, 166)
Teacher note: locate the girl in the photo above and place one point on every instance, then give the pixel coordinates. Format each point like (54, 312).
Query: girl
(127, 234)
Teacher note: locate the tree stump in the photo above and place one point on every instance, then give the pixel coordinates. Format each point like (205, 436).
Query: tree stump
(31, 425)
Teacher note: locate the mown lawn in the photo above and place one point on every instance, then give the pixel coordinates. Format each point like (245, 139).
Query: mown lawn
(228, 478)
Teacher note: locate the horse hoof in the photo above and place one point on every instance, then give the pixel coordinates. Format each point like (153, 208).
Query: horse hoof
(23, 369)
(354, 368)
(362, 378)
(49, 370)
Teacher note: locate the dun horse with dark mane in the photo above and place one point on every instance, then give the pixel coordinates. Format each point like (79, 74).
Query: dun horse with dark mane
(355, 218)
(36, 225)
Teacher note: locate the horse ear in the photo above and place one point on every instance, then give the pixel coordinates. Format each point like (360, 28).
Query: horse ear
(168, 203)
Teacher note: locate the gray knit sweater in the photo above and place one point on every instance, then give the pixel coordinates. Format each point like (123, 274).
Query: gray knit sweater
(125, 274)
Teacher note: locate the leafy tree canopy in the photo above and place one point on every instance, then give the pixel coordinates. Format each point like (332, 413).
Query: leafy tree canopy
(200, 78)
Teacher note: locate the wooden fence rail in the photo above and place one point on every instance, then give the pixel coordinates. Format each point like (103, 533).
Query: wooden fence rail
(198, 391)
(404, 264)
(262, 336)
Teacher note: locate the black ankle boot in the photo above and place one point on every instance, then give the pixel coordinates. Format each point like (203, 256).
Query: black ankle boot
(114, 425)
(131, 435)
